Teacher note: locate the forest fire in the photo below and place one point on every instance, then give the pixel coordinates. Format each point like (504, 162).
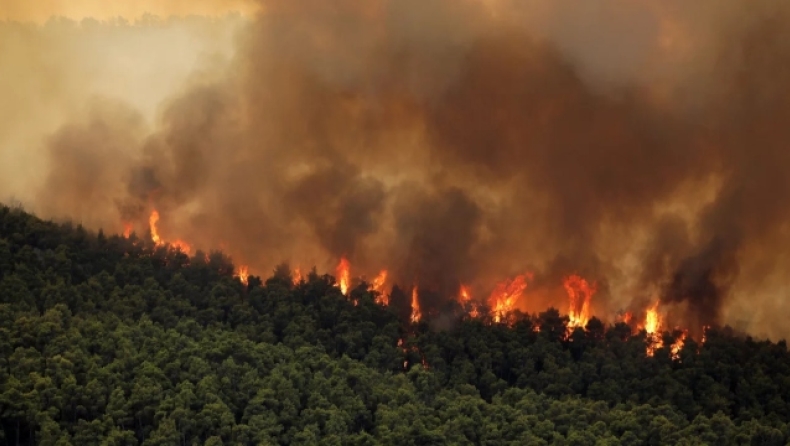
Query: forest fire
(296, 276)
(152, 221)
(243, 274)
(416, 314)
(378, 286)
(580, 293)
(653, 326)
(506, 294)
(504, 299)
(343, 275)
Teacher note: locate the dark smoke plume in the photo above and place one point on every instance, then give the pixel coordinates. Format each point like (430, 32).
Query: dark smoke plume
(461, 142)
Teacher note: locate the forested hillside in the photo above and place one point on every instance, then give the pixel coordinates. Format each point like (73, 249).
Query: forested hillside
(107, 340)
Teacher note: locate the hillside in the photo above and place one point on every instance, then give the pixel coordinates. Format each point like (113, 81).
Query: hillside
(109, 340)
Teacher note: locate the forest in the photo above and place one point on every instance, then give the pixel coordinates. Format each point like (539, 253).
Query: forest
(111, 340)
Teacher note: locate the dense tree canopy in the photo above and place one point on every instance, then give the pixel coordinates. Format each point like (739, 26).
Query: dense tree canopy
(106, 340)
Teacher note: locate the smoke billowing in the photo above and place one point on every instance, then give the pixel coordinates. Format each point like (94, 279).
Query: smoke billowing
(455, 142)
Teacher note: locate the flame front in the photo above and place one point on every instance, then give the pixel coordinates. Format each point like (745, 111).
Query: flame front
(504, 297)
(580, 294)
(343, 275)
(416, 314)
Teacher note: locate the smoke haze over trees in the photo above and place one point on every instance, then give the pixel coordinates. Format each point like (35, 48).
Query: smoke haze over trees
(641, 145)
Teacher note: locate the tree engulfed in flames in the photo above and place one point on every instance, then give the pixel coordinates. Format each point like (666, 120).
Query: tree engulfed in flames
(243, 274)
(465, 299)
(343, 275)
(505, 296)
(580, 294)
(416, 314)
(378, 286)
(653, 326)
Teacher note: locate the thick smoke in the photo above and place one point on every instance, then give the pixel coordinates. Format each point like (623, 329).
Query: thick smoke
(464, 141)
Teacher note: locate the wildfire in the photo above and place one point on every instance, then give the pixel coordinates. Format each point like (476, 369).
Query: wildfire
(626, 318)
(296, 276)
(127, 230)
(678, 344)
(378, 286)
(152, 221)
(182, 245)
(343, 274)
(504, 297)
(652, 327)
(466, 301)
(416, 315)
(580, 293)
(243, 274)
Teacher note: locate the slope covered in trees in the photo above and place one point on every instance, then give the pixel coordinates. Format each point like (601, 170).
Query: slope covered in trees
(106, 340)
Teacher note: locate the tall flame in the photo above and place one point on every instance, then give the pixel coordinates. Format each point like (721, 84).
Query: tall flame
(580, 293)
(504, 297)
(343, 275)
(416, 314)
(152, 221)
(652, 327)
(378, 286)
(243, 274)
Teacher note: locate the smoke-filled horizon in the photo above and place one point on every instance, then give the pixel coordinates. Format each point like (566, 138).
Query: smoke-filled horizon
(463, 142)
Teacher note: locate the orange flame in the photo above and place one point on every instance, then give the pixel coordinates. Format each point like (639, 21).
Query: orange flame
(504, 297)
(127, 230)
(416, 315)
(343, 275)
(627, 317)
(152, 221)
(243, 274)
(466, 300)
(296, 276)
(652, 327)
(580, 293)
(182, 245)
(678, 345)
(378, 286)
